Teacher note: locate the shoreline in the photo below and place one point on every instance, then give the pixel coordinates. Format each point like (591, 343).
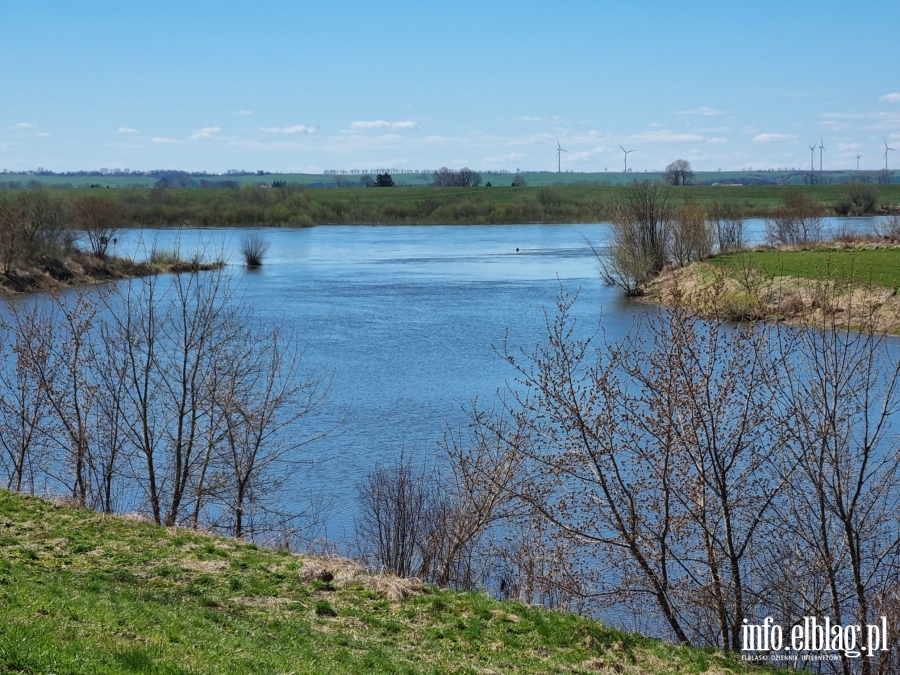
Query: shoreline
(749, 294)
(79, 269)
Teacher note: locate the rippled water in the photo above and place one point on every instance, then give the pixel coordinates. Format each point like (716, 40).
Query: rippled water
(407, 319)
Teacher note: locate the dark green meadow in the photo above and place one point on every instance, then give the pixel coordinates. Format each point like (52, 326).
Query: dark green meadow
(87, 593)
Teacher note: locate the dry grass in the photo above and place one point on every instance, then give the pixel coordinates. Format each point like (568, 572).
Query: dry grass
(343, 573)
(77, 268)
(712, 290)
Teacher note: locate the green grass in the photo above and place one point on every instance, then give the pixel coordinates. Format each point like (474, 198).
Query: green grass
(876, 266)
(81, 592)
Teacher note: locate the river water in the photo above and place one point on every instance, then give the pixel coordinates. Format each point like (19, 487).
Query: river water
(407, 321)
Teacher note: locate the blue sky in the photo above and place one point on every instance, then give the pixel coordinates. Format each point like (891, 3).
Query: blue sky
(310, 86)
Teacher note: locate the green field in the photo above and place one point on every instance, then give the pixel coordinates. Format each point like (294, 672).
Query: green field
(879, 267)
(478, 205)
(82, 592)
(300, 206)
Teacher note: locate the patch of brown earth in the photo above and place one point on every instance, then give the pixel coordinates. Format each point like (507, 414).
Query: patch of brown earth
(342, 573)
(710, 290)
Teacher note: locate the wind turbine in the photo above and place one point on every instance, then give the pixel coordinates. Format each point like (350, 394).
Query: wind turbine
(821, 150)
(812, 157)
(886, 150)
(857, 162)
(559, 152)
(626, 157)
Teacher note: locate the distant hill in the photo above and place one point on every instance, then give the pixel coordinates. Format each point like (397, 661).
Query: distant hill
(419, 179)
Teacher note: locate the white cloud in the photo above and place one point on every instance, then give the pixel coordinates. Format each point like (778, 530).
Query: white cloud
(42, 134)
(702, 110)
(528, 119)
(586, 155)
(205, 132)
(831, 125)
(382, 124)
(587, 137)
(534, 139)
(127, 130)
(163, 139)
(296, 129)
(716, 141)
(891, 98)
(665, 137)
(245, 112)
(24, 125)
(123, 145)
(774, 138)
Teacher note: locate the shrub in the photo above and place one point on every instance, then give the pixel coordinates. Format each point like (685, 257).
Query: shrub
(254, 247)
(641, 229)
(797, 221)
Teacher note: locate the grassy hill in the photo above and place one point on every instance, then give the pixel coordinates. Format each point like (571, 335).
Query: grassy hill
(83, 592)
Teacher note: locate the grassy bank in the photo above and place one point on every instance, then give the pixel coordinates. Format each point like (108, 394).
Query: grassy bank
(876, 265)
(82, 592)
(300, 206)
(76, 268)
(851, 285)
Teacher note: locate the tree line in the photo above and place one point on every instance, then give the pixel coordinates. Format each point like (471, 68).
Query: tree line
(649, 230)
(164, 395)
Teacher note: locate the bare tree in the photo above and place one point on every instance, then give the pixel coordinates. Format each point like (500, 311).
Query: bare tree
(728, 225)
(263, 398)
(46, 220)
(13, 236)
(24, 407)
(639, 241)
(692, 237)
(846, 497)
(797, 221)
(659, 459)
(59, 347)
(679, 172)
(465, 177)
(100, 219)
(396, 504)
